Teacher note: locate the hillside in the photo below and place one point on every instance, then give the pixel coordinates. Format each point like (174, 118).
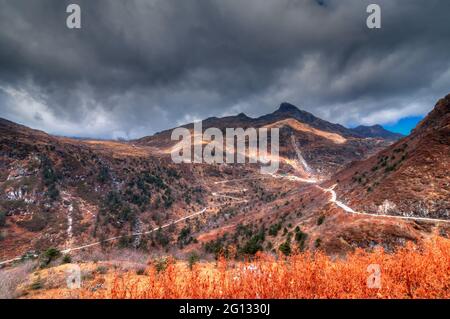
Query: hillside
(302, 275)
(93, 195)
(408, 178)
(377, 131)
(61, 192)
(298, 130)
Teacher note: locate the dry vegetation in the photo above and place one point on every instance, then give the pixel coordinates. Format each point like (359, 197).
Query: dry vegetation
(10, 279)
(410, 272)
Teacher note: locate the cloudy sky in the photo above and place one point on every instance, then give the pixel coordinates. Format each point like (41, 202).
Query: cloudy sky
(140, 66)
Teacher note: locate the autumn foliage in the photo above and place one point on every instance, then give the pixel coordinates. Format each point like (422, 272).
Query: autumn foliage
(410, 272)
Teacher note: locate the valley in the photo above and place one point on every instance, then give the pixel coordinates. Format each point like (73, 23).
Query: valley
(87, 195)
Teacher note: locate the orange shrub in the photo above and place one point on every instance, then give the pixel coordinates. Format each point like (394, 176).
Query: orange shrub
(410, 272)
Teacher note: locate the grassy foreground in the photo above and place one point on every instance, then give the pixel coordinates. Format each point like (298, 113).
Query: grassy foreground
(410, 272)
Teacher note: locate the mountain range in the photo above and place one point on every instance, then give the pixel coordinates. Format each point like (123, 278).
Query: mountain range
(333, 186)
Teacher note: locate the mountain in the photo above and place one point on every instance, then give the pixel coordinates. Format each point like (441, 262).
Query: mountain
(287, 110)
(409, 178)
(327, 147)
(377, 131)
(69, 193)
(60, 192)
(284, 112)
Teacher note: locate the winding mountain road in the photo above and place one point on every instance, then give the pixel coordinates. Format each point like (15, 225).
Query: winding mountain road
(331, 191)
(65, 251)
(135, 234)
(340, 204)
(334, 200)
(10, 261)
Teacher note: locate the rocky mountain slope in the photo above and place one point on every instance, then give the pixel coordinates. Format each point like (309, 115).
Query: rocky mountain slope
(88, 194)
(58, 191)
(325, 146)
(377, 131)
(411, 177)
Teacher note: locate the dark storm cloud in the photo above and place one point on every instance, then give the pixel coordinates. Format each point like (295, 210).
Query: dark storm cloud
(137, 67)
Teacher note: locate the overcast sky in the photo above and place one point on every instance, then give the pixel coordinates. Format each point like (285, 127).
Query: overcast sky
(140, 66)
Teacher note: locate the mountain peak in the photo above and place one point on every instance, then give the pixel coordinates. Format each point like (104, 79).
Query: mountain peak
(369, 127)
(438, 117)
(288, 110)
(287, 107)
(377, 131)
(242, 115)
